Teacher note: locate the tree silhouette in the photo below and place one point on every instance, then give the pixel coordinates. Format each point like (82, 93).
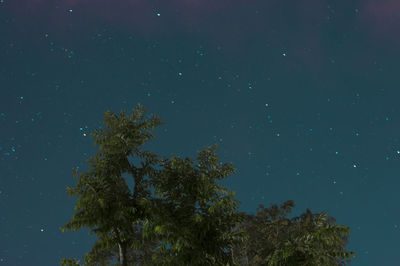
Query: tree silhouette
(179, 215)
(194, 215)
(310, 239)
(106, 204)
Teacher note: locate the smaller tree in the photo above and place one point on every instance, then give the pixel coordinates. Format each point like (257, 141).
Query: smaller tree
(273, 239)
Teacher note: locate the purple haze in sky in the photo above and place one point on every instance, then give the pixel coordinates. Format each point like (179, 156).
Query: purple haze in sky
(381, 15)
(233, 24)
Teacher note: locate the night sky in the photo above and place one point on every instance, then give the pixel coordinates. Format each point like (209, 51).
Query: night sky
(301, 96)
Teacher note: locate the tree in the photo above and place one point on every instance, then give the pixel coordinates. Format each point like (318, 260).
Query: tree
(194, 215)
(190, 219)
(311, 239)
(106, 204)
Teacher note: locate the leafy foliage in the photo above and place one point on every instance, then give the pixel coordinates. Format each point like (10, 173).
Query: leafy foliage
(311, 239)
(194, 216)
(190, 219)
(106, 204)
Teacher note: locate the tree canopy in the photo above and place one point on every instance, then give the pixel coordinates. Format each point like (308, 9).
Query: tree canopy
(179, 215)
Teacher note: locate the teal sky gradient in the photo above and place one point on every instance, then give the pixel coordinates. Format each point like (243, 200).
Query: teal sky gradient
(302, 99)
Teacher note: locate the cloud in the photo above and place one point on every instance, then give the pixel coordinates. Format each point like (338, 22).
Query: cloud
(381, 18)
(270, 26)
